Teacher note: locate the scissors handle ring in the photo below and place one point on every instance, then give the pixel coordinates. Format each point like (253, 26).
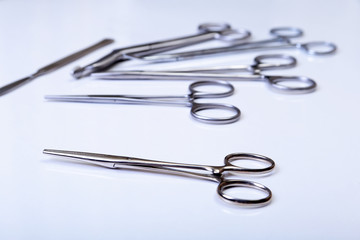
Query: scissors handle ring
(226, 32)
(201, 107)
(304, 84)
(264, 62)
(286, 32)
(214, 27)
(317, 48)
(227, 184)
(229, 159)
(235, 36)
(196, 92)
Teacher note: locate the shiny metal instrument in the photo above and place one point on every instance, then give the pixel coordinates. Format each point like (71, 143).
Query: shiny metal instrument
(281, 40)
(198, 90)
(220, 174)
(283, 84)
(207, 32)
(53, 66)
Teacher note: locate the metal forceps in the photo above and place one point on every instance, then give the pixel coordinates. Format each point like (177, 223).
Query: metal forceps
(207, 32)
(284, 84)
(197, 91)
(281, 40)
(218, 174)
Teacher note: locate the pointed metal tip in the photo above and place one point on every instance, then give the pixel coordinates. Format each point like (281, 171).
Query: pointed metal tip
(46, 151)
(66, 98)
(93, 158)
(56, 152)
(51, 97)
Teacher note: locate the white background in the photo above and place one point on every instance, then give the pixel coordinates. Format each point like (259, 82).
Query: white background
(313, 138)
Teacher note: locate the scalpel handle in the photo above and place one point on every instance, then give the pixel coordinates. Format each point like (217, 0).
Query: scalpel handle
(68, 59)
(12, 86)
(53, 66)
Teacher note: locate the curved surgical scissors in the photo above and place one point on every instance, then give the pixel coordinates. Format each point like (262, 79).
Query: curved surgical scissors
(207, 32)
(281, 40)
(188, 100)
(284, 84)
(214, 173)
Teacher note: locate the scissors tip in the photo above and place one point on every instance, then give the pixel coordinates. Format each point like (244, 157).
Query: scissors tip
(48, 151)
(52, 97)
(56, 152)
(67, 98)
(93, 158)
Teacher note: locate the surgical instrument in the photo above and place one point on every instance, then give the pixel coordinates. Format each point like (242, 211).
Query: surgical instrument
(198, 90)
(53, 66)
(207, 32)
(281, 40)
(218, 174)
(284, 84)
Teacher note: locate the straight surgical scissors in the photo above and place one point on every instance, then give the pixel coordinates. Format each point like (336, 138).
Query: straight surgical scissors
(207, 32)
(198, 90)
(284, 84)
(218, 174)
(281, 40)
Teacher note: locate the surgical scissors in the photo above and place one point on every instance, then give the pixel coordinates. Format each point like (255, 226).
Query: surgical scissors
(198, 90)
(218, 174)
(281, 40)
(207, 32)
(284, 84)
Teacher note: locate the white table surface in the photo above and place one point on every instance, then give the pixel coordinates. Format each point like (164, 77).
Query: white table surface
(314, 138)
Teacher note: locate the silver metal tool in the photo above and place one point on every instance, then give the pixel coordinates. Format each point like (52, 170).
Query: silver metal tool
(207, 32)
(281, 40)
(220, 174)
(203, 112)
(283, 84)
(53, 66)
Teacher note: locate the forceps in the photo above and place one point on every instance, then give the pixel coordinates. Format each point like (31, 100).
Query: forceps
(218, 174)
(197, 91)
(284, 84)
(281, 40)
(207, 32)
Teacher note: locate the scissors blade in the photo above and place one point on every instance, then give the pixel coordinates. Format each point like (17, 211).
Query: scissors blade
(116, 99)
(94, 158)
(106, 160)
(122, 99)
(87, 98)
(170, 75)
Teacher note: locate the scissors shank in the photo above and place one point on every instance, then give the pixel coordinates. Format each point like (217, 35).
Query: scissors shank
(123, 99)
(173, 170)
(217, 69)
(162, 75)
(275, 40)
(168, 45)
